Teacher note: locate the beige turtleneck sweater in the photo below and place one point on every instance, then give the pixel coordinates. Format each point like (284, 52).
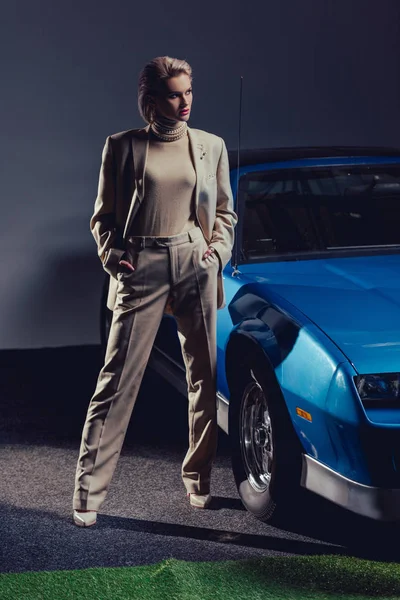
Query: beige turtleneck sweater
(168, 204)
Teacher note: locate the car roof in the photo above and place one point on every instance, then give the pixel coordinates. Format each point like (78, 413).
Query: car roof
(256, 156)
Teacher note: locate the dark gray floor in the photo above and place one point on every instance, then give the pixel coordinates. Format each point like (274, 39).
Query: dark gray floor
(146, 517)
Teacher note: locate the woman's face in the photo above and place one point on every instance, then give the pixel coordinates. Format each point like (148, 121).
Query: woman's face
(175, 98)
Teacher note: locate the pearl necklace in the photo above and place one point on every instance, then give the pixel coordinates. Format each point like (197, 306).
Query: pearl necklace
(166, 133)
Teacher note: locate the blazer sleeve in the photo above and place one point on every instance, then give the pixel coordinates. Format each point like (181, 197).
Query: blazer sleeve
(102, 223)
(225, 220)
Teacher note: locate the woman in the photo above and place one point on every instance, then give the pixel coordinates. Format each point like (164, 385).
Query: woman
(163, 223)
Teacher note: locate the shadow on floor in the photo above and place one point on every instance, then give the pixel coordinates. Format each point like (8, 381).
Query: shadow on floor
(267, 542)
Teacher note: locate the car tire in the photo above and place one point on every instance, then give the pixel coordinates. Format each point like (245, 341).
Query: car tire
(265, 450)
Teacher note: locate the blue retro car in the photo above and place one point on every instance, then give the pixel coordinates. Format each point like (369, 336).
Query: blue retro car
(309, 340)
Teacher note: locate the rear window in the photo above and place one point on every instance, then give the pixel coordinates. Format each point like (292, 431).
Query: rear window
(308, 210)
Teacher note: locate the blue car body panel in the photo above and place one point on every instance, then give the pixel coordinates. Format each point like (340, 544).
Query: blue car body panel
(355, 301)
(312, 373)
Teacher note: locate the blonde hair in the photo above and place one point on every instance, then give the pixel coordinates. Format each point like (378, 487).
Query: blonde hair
(150, 78)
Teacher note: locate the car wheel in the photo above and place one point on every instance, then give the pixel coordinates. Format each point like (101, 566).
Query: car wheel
(266, 454)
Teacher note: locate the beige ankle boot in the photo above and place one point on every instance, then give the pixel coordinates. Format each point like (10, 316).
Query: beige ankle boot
(85, 518)
(199, 500)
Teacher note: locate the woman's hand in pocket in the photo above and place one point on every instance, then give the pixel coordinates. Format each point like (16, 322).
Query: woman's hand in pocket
(208, 253)
(127, 265)
(211, 256)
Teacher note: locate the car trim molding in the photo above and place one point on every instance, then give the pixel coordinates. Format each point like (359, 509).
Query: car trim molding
(174, 373)
(169, 369)
(376, 503)
(223, 412)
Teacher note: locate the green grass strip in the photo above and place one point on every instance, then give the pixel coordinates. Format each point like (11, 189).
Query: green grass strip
(286, 578)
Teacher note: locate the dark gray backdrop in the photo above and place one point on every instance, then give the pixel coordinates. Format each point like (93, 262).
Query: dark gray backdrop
(315, 72)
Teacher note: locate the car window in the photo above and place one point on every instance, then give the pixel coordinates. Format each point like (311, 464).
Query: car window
(306, 210)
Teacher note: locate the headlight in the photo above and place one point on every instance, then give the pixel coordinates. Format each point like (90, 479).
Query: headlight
(380, 387)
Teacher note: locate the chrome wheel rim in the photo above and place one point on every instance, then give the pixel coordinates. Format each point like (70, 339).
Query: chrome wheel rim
(256, 437)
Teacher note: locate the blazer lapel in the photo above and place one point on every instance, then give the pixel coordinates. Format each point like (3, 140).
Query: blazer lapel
(196, 149)
(140, 151)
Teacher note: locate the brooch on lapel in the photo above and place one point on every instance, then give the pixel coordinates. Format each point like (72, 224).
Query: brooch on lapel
(203, 152)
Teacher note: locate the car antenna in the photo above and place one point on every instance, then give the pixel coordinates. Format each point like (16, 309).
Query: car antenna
(236, 256)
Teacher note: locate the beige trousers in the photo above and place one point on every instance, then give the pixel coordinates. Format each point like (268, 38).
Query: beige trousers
(168, 270)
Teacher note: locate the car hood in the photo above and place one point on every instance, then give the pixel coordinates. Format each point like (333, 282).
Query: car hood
(355, 301)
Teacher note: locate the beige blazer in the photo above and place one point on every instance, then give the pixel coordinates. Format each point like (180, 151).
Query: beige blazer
(121, 191)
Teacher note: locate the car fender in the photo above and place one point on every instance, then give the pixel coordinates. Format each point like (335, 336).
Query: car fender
(301, 358)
